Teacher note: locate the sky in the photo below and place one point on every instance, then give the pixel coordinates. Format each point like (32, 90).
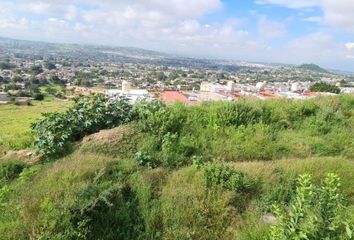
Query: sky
(278, 31)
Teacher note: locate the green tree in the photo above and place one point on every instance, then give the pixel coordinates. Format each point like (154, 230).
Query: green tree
(36, 69)
(324, 87)
(50, 66)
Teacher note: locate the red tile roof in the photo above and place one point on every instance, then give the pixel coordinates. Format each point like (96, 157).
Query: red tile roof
(173, 96)
(268, 94)
(309, 93)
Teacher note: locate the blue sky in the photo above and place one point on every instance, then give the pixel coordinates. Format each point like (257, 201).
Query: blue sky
(284, 31)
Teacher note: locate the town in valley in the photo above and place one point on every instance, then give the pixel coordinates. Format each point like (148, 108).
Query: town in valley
(30, 70)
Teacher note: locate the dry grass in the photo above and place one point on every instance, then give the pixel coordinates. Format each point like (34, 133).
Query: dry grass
(117, 142)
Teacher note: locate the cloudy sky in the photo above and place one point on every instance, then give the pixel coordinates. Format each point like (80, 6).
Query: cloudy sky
(285, 31)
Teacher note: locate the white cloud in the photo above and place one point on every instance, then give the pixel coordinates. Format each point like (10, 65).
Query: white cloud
(290, 3)
(71, 13)
(349, 45)
(123, 22)
(37, 7)
(175, 26)
(189, 27)
(269, 29)
(336, 13)
(313, 19)
(339, 13)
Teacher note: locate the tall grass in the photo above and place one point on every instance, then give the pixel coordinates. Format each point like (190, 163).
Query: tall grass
(250, 130)
(210, 171)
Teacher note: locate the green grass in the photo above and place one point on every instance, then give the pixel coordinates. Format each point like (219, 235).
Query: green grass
(15, 122)
(101, 192)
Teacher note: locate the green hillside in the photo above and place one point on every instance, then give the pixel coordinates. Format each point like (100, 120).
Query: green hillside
(312, 67)
(277, 169)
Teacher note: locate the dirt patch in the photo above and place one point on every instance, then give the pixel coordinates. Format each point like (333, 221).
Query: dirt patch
(110, 136)
(25, 156)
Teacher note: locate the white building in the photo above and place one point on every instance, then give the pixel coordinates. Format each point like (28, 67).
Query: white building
(132, 94)
(260, 86)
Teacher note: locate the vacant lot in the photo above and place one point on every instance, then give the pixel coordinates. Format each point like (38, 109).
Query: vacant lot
(15, 122)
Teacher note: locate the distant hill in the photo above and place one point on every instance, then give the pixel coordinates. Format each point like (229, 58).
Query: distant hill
(100, 53)
(67, 47)
(115, 54)
(312, 67)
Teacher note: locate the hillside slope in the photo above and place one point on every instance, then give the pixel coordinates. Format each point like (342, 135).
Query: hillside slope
(213, 171)
(312, 67)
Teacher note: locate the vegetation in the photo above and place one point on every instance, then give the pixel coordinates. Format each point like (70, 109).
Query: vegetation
(15, 127)
(315, 213)
(325, 87)
(312, 67)
(57, 131)
(210, 171)
(6, 65)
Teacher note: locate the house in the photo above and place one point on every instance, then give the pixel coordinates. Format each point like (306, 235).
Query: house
(133, 95)
(173, 97)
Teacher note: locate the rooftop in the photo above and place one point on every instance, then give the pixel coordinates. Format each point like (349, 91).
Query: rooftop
(173, 96)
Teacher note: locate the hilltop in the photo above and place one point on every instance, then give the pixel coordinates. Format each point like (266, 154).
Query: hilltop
(210, 171)
(312, 67)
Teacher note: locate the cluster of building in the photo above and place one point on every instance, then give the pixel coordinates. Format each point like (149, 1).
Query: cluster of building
(230, 91)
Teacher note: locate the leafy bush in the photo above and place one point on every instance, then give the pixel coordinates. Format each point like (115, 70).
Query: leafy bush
(314, 213)
(55, 133)
(218, 175)
(144, 159)
(38, 96)
(240, 114)
(161, 119)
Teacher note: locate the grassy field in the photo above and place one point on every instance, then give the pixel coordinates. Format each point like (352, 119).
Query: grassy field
(15, 122)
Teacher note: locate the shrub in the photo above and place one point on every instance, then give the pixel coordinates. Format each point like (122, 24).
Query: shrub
(169, 150)
(217, 175)
(159, 119)
(55, 133)
(239, 114)
(144, 159)
(314, 213)
(38, 96)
